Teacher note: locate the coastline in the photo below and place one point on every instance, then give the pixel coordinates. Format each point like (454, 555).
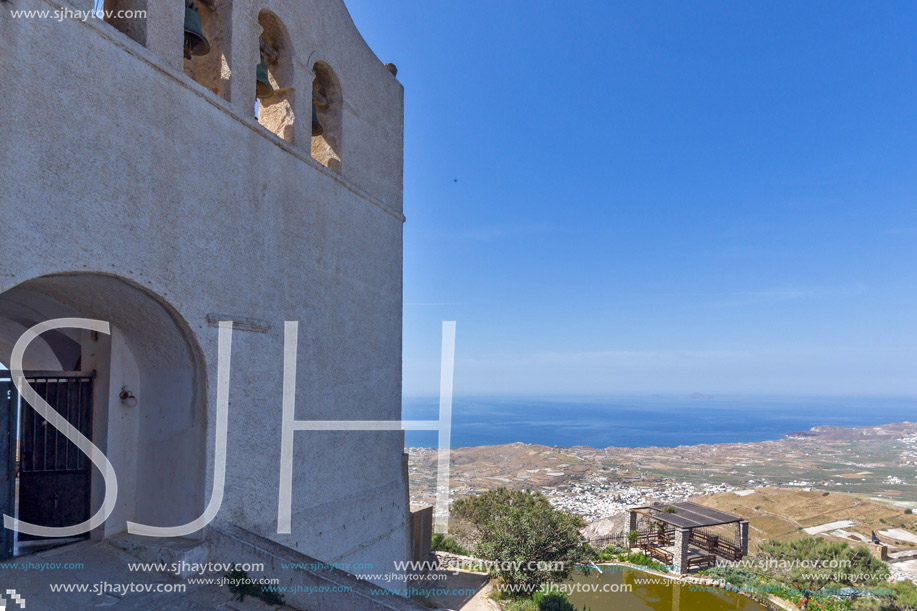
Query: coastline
(872, 462)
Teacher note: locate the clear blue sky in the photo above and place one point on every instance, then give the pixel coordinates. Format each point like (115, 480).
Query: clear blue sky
(658, 197)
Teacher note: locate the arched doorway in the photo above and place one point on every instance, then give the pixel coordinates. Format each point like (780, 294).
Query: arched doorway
(147, 389)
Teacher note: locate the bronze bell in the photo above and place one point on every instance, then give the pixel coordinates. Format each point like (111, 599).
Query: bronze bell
(195, 41)
(317, 129)
(263, 87)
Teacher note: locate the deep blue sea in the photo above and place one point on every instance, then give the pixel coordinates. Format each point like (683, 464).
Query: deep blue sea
(637, 421)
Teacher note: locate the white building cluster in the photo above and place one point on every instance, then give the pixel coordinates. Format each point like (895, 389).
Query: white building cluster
(594, 501)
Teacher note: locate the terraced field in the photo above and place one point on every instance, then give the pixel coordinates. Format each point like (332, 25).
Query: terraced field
(783, 514)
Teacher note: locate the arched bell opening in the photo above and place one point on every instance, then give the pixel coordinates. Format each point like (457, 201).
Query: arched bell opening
(327, 107)
(146, 391)
(206, 50)
(274, 77)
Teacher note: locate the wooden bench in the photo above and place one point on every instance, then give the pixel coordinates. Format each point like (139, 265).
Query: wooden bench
(728, 551)
(661, 555)
(701, 561)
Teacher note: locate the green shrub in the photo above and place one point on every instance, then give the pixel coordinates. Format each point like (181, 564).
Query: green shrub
(520, 604)
(794, 565)
(856, 561)
(732, 575)
(903, 597)
(540, 601)
(480, 509)
(241, 586)
(905, 594)
(519, 527)
(553, 601)
(609, 553)
(642, 560)
(442, 543)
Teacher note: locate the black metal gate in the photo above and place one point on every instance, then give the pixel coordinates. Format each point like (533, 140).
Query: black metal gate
(54, 476)
(7, 461)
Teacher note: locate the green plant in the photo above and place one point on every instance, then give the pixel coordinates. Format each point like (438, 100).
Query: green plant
(609, 553)
(632, 538)
(901, 597)
(732, 575)
(642, 560)
(442, 543)
(479, 509)
(241, 585)
(908, 511)
(553, 601)
(531, 542)
(796, 564)
(905, 593)
(541, 601)
(520, 604)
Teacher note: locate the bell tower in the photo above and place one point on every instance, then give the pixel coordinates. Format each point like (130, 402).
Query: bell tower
(205, 160)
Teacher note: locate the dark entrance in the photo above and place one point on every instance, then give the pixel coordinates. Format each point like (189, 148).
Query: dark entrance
(53, 475)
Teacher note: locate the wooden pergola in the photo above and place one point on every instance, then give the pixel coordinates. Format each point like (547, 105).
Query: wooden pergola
(681, 538)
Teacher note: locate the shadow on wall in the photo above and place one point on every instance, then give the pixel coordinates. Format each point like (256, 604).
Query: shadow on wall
(158, 447)
(327, 104)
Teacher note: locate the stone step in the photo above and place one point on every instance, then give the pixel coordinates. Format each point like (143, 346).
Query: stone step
(179, 555)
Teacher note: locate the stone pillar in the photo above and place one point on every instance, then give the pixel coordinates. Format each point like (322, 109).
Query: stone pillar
(406, 479)
(742, 536)
(165, 31)
(302, 105)
(633, 520)
(421, 533)
(244, 54)
(681, 550)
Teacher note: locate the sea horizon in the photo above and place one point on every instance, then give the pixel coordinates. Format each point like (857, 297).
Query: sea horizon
(646, 420)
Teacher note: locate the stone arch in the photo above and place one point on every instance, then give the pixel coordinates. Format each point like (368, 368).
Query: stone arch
(158, 447)
(328, 103)
(276, 112)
